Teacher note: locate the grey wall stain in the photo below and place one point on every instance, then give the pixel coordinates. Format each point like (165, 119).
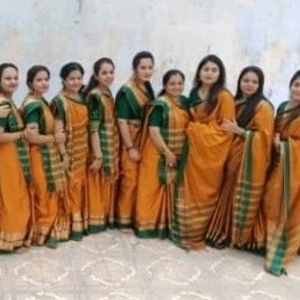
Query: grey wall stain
(80, 5)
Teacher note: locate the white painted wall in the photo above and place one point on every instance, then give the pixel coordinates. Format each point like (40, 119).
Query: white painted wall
(178, 32)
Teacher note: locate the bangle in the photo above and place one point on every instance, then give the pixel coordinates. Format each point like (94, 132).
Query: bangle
(21, 137)
(129, 148)
(243, 133)
(98, 157)
(65, 154)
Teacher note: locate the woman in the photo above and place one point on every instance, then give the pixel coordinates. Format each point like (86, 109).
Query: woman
(132, 103)
(202, 166)
(163, 146)
(104, 140)
(281, 200)
(49, 181)
(15, 207)
(237, 211)
(71, 116)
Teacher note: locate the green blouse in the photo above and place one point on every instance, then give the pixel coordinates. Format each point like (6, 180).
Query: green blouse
(96, 111)
(123, 108)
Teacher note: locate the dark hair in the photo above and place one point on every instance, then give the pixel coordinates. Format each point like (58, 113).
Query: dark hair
(33, 71)
(294, 112)
(217, 86)
(167, 76)
(135, 63)
(139, 56)
(70, 67)
(93, 82)
(5, 66)
(253, 100)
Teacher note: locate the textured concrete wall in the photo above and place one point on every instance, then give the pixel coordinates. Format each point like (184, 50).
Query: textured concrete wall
(178, 32)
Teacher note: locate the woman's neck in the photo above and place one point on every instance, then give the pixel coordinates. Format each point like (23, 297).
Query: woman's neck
(295, 102)
(203, 91)
(174, 99)
(140, 83)
(37, 95)
(71, 94)
(7, 96)
(103, 88)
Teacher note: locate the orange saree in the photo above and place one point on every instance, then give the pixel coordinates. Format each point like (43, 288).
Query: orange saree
(237, 211)
(201, 172)
(15, 181)
(282, 195)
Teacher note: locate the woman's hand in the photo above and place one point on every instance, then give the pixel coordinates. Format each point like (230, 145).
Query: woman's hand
(96, 165)
(134, 154)
(231, 126)
(277, 142)
(4, 112)
(31, 133)
(66, 162)
(60, 137)
(171, 159)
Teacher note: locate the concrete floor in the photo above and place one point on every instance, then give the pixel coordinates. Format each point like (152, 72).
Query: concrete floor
(118, 266)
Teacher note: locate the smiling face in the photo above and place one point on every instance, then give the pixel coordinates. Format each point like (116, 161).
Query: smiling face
(174, 86)
(295, 90)
(40, 83)
(145, 69)
(73, 82)
(106, 75)
(209, 73)
(249, 84)
(9, 80)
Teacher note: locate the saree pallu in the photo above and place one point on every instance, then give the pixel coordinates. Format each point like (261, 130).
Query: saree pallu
(102, 186)
(156, 179)
(51, 217)
(282, 198)
(15, 186)
(201, 172)
(138, 100)
(76, 127)
(237, 218)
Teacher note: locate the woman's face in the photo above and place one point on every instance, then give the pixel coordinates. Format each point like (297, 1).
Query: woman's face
(9, 80)
(295, 89)
(249, 84)
(145, 69)
(209, 73)
(174, 86)
(106, 74)
(40, 83)
(74, 82)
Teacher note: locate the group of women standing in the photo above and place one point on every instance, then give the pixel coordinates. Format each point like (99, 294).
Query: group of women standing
(208, 169)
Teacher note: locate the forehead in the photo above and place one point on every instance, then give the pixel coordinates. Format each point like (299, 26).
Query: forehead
(9, 72)
(175, 78)
(106, 66)
(75, 73)
(250, 75)
(41, 73)
(145, 62)
(296, 81)
(210, 64)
